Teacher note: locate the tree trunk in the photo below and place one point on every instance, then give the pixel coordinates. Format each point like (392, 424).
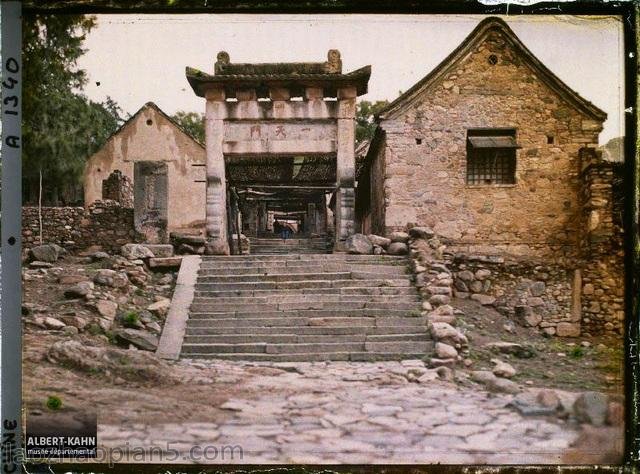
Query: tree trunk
(40, 205)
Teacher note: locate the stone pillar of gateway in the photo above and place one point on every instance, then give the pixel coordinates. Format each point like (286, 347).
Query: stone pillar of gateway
(268, 111)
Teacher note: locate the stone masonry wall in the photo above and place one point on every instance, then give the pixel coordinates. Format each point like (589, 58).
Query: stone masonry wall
(603, 269)
(425, 157)
(104, 223)
(118, 187)
(535, 295)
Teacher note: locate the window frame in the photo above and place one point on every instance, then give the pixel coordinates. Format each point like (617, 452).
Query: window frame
(502, 172)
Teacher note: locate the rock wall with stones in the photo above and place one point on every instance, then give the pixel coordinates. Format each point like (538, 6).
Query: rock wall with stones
(118, 187)
(104, 223)
(603, 268)
(535, 295)
(424, 150)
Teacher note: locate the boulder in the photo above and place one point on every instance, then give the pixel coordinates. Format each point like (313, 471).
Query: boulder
(548, 398)
(74, 321)
(484, 300)
(502, 369)
(45, 253)
(378, 240)
(141, 339)
(160, 250)
(135, 251)
(445, 351)
(359, 244)
(36, 264)
(71, 279)
(444, 332)
(493, 383)
(111, 278)
(99, 256)
(438, 300)
(107, 309)
(160, 307)
(79, 290)
(402, 237)
(466, 275)
(591, 407)
(113, 362)
(482, 274)
(421, 233)
(397, 248)
(53, 323)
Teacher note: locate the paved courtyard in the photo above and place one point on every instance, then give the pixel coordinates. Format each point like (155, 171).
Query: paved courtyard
(346, 412)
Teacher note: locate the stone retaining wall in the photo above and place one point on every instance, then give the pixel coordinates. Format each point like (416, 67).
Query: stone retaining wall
(530, 294)
(103, 223)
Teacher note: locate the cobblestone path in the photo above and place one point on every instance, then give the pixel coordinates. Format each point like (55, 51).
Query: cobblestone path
(346, 412)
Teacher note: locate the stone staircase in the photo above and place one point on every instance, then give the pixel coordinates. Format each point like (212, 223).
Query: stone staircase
(278, 246)
(301, 307)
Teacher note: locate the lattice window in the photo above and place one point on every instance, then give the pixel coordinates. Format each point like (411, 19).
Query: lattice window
(491, 156)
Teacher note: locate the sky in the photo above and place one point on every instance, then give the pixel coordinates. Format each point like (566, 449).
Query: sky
(141, 58)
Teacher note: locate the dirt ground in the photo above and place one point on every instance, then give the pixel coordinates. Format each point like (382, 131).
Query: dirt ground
(595, 363)
(139, 392)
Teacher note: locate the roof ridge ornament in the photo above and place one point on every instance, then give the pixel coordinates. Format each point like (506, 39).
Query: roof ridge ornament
(222, 60)
(334, 62)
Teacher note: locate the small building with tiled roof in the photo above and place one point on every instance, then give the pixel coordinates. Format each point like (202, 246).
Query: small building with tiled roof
(484, 149)
(500, 159)
(150, 135)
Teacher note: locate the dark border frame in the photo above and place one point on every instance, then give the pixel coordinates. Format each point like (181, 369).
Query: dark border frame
(628, 10)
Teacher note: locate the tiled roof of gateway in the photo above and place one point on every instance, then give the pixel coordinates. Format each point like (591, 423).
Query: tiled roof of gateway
(259, 76)
(470, 42)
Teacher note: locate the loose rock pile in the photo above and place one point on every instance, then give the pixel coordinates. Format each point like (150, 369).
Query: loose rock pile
(395, 244)
(115, 297)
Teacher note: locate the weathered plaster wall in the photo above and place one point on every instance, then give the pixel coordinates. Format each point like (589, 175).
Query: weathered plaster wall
(426, 183)
(150, 136)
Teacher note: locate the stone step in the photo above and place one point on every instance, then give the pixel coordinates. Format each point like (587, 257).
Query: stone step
(315, 284)
(306, 348)
(206, 307)
(209, 264)
(295, 270)
(326, 321)
(311, 298)
(296, 338)
(329, 256)
(308, 313)
(349, 290)
(302, 348)
(258, 331)
(274, 277)
(317, 357)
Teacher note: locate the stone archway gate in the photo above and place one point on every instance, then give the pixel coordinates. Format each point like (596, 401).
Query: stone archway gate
(278, 110)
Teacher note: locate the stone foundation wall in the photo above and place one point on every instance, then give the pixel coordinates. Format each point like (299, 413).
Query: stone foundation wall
(535, 295)
(103, 223)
